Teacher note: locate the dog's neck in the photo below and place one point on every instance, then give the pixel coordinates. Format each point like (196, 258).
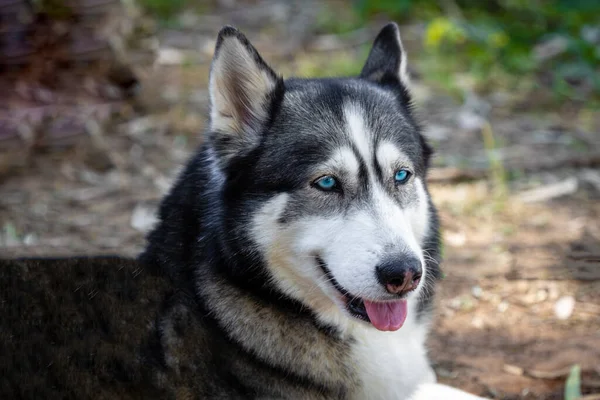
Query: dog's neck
(291, 341)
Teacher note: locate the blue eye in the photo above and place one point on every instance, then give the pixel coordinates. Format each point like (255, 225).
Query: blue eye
(402, 176)
(326, 182)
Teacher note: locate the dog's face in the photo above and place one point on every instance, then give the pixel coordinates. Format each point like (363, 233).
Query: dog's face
(326, 178)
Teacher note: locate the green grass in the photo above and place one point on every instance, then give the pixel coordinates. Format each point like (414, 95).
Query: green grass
(573, 384)
(498, 173)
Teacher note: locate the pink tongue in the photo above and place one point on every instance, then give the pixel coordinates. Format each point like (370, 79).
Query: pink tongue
(388, 316)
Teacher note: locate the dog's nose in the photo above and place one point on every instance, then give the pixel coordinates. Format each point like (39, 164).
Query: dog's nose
(400, 275)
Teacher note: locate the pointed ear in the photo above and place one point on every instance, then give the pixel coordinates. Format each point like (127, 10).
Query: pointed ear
(387, 58)
(242, 87)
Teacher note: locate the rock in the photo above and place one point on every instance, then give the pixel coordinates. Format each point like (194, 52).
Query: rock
(474, 113)
(550, 48)
(437, 132)
(189, 20)
(477, 322)
(171, 94)
(549, 192)
(170, 56)
(143, 217)
(503, 306)
(455, 239)
(563, 308)
(591, 34)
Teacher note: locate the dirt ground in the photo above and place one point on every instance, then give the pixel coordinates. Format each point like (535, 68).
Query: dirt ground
(520, 302)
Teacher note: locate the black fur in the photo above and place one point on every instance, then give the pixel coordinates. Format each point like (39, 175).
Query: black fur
(149, 328)
(385, 55)
(204, 220)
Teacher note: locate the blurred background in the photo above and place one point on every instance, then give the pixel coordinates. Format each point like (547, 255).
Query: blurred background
(102, 101)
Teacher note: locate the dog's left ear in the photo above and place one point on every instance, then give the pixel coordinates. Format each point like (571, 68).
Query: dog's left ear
(242, 88)
(387, 58)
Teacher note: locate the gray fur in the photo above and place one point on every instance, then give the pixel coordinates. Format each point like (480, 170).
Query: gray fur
(241, 290)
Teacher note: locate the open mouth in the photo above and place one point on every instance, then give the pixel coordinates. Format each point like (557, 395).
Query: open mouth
(385, 316)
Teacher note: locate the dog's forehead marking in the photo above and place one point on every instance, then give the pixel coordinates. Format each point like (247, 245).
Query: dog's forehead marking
(389, 155)
(358, 132)
(345, 158)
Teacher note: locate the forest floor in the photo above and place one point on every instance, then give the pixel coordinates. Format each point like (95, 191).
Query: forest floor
(520, 301)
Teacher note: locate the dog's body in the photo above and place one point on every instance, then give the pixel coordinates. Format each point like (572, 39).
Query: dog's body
(296, 256)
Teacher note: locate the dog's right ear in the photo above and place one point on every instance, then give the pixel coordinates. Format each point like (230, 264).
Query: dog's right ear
(242, 89)
(387, 58)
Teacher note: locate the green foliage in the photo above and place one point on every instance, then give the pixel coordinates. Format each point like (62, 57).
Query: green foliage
(501, 39)
(55, 9)
(163, 9)
(399, 10)
(343, 64)
(334, 19)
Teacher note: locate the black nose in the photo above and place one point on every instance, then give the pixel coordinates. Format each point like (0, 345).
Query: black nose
(399, 275)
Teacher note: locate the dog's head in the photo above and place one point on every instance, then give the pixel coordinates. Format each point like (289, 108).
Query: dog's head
(326, 178)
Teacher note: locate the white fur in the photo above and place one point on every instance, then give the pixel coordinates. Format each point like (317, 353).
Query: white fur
(393, 365)
(434, 391)
(419, 216)
(390, 365)
(356, 242)
(390, 158)
(357, 131)
(343, 159)
(234, 63)
(292, 267)
(351, 245)
(403, 71)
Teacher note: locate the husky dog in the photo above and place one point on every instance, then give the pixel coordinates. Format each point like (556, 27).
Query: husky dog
(295, 257)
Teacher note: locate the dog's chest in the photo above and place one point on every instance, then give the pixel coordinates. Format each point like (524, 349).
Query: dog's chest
(391, 364)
